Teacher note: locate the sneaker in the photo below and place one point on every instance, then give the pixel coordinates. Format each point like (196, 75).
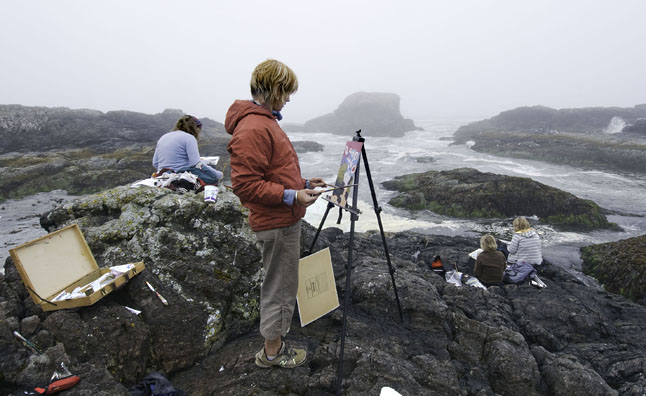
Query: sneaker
(287, 358)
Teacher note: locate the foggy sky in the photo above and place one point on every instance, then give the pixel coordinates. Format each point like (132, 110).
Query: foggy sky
(444, 58)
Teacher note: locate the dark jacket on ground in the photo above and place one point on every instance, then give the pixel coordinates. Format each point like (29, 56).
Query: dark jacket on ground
(490, 266)
(263, 164)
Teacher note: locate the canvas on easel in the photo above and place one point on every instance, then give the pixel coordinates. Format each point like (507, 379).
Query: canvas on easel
(316, 294)
(345, 176)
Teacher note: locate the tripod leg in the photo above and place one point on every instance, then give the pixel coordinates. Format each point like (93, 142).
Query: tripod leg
(346, 306)
(381, 228)
(348, 274)
(330, 205)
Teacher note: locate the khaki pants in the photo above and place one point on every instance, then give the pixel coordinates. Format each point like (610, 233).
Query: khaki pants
(280, 255)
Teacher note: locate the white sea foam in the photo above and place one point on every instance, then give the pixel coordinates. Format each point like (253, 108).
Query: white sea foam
(616, 125)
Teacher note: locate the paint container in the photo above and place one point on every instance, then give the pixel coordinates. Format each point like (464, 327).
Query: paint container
(210, 193)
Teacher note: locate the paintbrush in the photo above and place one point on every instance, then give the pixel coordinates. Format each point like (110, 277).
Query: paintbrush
(337, 187)
(162, 299)
(28, 344)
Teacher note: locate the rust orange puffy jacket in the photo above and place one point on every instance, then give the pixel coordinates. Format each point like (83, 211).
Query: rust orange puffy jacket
(263, 164)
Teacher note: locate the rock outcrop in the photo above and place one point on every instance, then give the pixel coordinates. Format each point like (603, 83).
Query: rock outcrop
(563, 340)
(468, 193)
(85, 151)
(619, 266)
(26, 129)
(306, 146)
(585, 137)
(638, 127)
(376, 114)
(536, 119)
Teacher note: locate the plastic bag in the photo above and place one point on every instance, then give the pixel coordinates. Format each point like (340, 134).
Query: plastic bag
(475, 282)
(454, 277)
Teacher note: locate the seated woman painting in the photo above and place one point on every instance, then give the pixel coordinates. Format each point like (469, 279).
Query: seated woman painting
(490, 263)
(525, 244)
(177, 151)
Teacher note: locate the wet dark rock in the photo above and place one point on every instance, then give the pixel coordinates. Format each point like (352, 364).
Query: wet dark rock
(467, 192)
(376, 114)
(565, 339)
(559, 372)
(306, 146)
(584, 137)
(619, 266)
(639, 127)
(425, 160)
(29, 325)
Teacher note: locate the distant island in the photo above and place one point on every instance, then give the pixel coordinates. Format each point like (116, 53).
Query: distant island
(375, 113)
(609, 138)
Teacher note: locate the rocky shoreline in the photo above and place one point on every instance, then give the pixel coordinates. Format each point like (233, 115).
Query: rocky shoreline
(563, 340)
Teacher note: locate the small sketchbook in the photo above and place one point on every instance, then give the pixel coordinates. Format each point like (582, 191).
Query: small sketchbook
(475, 253)
(212, 160)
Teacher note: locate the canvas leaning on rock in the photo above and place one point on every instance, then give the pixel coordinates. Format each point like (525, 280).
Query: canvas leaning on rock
(316, 294)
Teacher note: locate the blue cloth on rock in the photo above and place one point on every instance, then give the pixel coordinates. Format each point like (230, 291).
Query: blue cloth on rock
(518, 272)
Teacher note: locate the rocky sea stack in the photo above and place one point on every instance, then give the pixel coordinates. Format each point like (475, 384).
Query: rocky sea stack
(566, 339)
(609, 138)
(376, 114)
(619, 266)
(469, 193)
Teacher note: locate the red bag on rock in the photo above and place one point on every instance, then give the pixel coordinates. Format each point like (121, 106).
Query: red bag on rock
(59, 385)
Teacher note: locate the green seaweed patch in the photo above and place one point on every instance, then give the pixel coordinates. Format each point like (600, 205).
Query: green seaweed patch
(404, 183)
(619, 266)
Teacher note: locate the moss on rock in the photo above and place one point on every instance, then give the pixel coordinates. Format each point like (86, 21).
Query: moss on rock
(620, 266)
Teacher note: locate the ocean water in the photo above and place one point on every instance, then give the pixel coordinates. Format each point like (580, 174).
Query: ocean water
(417, 151)
(431, 149)
(20, 219)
